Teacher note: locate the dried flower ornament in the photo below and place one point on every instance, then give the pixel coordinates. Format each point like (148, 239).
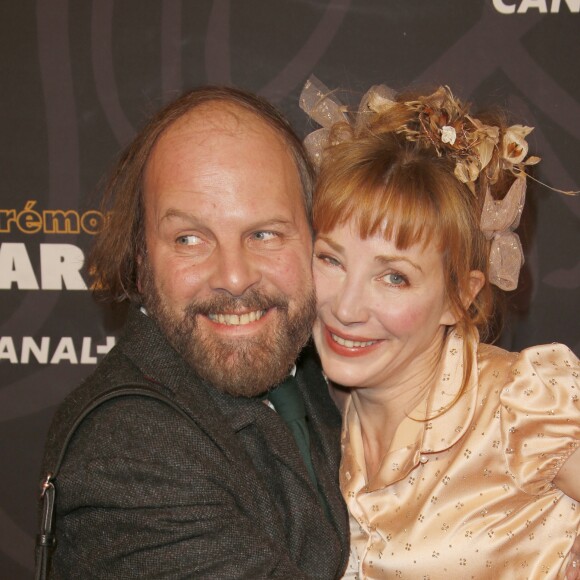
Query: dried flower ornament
(448, 134)
(441, 121)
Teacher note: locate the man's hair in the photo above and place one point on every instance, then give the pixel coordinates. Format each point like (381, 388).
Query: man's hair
(112, 263)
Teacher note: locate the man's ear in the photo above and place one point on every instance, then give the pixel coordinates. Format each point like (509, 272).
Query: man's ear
(474, 284)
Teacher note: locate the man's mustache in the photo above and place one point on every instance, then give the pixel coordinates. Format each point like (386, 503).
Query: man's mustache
(226, 304)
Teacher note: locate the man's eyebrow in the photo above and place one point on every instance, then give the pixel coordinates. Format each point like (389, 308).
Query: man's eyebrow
(193, 220)
(174, 213)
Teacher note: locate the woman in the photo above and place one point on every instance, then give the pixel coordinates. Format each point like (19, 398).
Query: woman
(459, 458)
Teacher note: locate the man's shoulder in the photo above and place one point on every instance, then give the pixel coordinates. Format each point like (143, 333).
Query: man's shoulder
(115, 372)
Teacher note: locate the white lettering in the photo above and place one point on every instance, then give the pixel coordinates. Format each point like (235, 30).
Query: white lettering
(86, 358)
(15, 267)
(539, 4)
(65, 351)
(61, 263)
(29, 346)
(573, 6)
(504, 8)
(7, 350)
(39, 350)
(60, 267)
(105, 348)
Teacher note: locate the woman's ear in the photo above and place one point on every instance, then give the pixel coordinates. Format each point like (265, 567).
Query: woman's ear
(475, 283)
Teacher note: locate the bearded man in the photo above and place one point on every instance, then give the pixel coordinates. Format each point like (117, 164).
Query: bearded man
(209, 239)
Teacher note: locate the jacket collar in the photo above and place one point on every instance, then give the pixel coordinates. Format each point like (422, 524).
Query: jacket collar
(145, 344)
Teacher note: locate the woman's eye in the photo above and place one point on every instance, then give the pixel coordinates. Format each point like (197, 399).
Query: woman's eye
(188, 240)
(328, 259)
(395, 279)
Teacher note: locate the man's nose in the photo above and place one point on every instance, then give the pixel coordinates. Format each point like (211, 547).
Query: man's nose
(235, 270)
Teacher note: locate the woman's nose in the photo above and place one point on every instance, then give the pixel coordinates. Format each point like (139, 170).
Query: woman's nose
(350, 303)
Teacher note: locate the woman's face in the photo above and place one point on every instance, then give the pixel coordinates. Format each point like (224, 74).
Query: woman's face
(381, 311)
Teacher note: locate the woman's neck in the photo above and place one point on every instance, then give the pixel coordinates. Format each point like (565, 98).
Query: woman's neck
(382, 409)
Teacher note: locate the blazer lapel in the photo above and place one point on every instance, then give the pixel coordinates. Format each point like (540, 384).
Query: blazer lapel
(242, 413)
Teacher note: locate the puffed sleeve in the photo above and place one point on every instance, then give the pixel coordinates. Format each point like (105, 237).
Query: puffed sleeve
(540, 415)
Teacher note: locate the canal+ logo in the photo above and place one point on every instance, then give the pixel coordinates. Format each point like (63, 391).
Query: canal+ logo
(541, 6)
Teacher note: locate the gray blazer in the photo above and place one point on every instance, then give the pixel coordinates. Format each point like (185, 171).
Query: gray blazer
(143, 493)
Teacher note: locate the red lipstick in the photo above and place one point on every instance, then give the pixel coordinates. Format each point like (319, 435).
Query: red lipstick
(348, 351)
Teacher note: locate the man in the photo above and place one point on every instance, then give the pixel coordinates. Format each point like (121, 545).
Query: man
(209, 239)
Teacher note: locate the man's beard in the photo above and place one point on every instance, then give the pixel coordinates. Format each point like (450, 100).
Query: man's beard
(240, 366)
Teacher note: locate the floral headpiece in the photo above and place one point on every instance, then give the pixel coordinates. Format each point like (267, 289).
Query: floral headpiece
(442, 122)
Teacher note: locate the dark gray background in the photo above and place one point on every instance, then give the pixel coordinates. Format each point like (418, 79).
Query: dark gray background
(78, 78)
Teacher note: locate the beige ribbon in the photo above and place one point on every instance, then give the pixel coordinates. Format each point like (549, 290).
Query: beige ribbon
(499, 219)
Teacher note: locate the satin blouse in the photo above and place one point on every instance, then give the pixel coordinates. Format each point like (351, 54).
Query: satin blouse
(469, 493)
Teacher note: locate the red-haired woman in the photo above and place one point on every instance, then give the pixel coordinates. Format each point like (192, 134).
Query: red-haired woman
(459, 458)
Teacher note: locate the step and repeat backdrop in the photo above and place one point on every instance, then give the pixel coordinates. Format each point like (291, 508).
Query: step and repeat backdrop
(78, 79)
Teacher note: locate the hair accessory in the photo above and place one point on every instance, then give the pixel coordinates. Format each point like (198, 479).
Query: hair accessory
(440, 121)
(499, 219)
(448, 134)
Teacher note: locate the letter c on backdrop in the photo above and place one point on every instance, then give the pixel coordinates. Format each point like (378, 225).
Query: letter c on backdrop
(504, 8)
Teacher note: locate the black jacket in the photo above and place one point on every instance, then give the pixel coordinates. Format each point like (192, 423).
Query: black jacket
(144, 493)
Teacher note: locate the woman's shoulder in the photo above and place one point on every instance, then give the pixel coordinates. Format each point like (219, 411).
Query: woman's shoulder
(540, 414)
(540, 363)
(494, 365)
(548, 365)
(549, 356)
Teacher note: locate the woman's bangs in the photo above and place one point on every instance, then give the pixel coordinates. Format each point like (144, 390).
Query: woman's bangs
(405, 214)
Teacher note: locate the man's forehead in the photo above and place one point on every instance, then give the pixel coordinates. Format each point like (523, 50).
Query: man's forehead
(224, 117)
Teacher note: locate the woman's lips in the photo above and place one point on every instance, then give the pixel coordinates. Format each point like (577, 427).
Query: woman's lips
(349, 345)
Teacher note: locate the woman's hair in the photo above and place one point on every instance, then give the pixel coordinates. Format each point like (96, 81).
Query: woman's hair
(112, 263)
(407, 190)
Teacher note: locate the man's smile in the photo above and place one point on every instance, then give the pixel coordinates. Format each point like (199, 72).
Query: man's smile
(237, 319)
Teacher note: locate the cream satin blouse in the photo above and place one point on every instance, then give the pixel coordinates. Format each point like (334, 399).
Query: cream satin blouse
(469, 494)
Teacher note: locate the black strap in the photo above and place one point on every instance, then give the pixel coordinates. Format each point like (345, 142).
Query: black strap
(45, 540)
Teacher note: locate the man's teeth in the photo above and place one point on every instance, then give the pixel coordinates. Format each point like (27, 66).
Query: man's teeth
(351, 343)
(237, 319)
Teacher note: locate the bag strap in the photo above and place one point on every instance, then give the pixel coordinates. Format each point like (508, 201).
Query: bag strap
(46, 540)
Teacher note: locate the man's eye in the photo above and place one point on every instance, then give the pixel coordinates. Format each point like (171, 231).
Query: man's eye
(189, 240)
(264, 235)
